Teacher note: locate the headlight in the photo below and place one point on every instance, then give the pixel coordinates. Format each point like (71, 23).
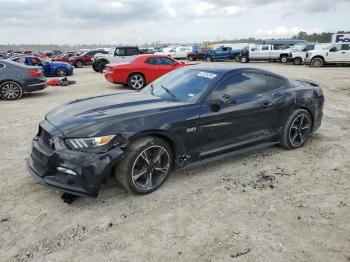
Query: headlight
(93, 144)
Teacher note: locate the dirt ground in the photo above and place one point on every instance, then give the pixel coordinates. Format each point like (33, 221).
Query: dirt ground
(271, 205)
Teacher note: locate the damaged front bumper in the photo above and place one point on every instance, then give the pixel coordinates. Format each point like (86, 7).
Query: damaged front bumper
(70, 171)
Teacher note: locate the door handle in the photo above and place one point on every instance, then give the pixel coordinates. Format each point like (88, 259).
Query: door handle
(266, 104)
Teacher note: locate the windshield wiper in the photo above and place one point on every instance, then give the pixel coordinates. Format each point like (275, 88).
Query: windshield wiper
(168, 91)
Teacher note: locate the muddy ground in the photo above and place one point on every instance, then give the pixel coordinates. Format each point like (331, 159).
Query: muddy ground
(271, 205)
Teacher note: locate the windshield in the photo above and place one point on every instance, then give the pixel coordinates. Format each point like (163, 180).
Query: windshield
(328, 47)
(183, 84)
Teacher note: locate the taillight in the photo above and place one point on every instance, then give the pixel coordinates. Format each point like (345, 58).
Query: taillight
(35, 72)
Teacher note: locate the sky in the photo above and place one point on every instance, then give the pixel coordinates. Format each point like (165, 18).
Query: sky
(182, 21)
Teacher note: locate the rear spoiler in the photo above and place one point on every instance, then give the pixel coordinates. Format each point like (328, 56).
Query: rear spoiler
(306, 81)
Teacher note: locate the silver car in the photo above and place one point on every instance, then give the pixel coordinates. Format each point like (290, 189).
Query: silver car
(16, 79)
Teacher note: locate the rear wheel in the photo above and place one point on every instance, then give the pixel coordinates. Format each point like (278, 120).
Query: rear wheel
(136, 81)
(190, 58)
(284, 59)
(297, 129)
(316, 62)
(61, 72)
(10, 91)
(146, 165)
(79, 64)
(101, 66)
(297, 61)
(209, 59)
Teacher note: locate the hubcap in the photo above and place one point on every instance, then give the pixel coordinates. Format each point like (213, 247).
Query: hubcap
(150, 168)
(299, 130)
(10, 91)
(243, 59)
(136, 81)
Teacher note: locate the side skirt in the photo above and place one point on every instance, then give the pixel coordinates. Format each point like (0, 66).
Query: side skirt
(230, 154)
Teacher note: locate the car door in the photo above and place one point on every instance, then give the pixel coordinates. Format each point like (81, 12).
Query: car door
(246, 114)
(334, 54)
(265, 52)
(345, 53)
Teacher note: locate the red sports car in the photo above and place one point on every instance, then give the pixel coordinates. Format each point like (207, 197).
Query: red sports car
(141, 70)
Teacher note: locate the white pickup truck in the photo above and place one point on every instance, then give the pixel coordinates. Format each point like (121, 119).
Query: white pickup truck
(298, 57)
(334, 54)
(265, 53)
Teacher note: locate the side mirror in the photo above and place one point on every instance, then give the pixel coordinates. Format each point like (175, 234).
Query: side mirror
(333, 49)
(224, 100)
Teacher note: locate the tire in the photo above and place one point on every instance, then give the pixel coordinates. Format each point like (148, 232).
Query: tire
(190, 58)
(244, 59)
(10, 90)
(79, 64)
(136, 81)
(284, 59)
(316, 62)
(209, 59)
(297, 61)
(61, 72)
(138, 167)
(297, 129)
(95, 66)
(101, 66)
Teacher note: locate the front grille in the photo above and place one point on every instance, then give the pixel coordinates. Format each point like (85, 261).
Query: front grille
(47, 138)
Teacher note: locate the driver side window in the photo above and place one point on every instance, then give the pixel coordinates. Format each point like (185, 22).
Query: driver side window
(240, 85)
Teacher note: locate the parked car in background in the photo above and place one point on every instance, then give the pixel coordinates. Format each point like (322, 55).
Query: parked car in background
(60, 69)
(200, 54)
(264, 53)
(222, 53)
(146, 50)
(65, 57)
(335, 54)
(115, 55)
(179, 52)
(84, 59)
(141, 70)
(190, 116)
(16, 79)
(298, 57)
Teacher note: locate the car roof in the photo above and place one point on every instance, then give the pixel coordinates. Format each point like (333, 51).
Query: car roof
(223, 69)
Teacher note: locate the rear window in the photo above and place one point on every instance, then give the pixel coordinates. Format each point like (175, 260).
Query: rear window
(274, 82)
(131, 51)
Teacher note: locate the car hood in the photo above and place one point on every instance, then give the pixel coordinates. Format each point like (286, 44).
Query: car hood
(95, 115)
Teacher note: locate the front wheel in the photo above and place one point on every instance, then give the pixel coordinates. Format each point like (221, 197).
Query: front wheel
(146, 165)
(61, 72)
(244, 59)
(136, 81)
(209, 59)
(10, 91)
(79, 64)
(297, 129)
(316, 62)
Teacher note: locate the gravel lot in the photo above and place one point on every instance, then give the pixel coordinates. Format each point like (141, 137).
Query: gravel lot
(271, 205)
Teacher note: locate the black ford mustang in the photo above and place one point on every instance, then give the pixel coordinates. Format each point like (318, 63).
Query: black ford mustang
(189, 116)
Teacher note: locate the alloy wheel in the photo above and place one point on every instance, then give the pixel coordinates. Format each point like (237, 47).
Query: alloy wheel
(61, 72)
(10, 91)
(150, 168)
(136, 82)
(299, 130)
